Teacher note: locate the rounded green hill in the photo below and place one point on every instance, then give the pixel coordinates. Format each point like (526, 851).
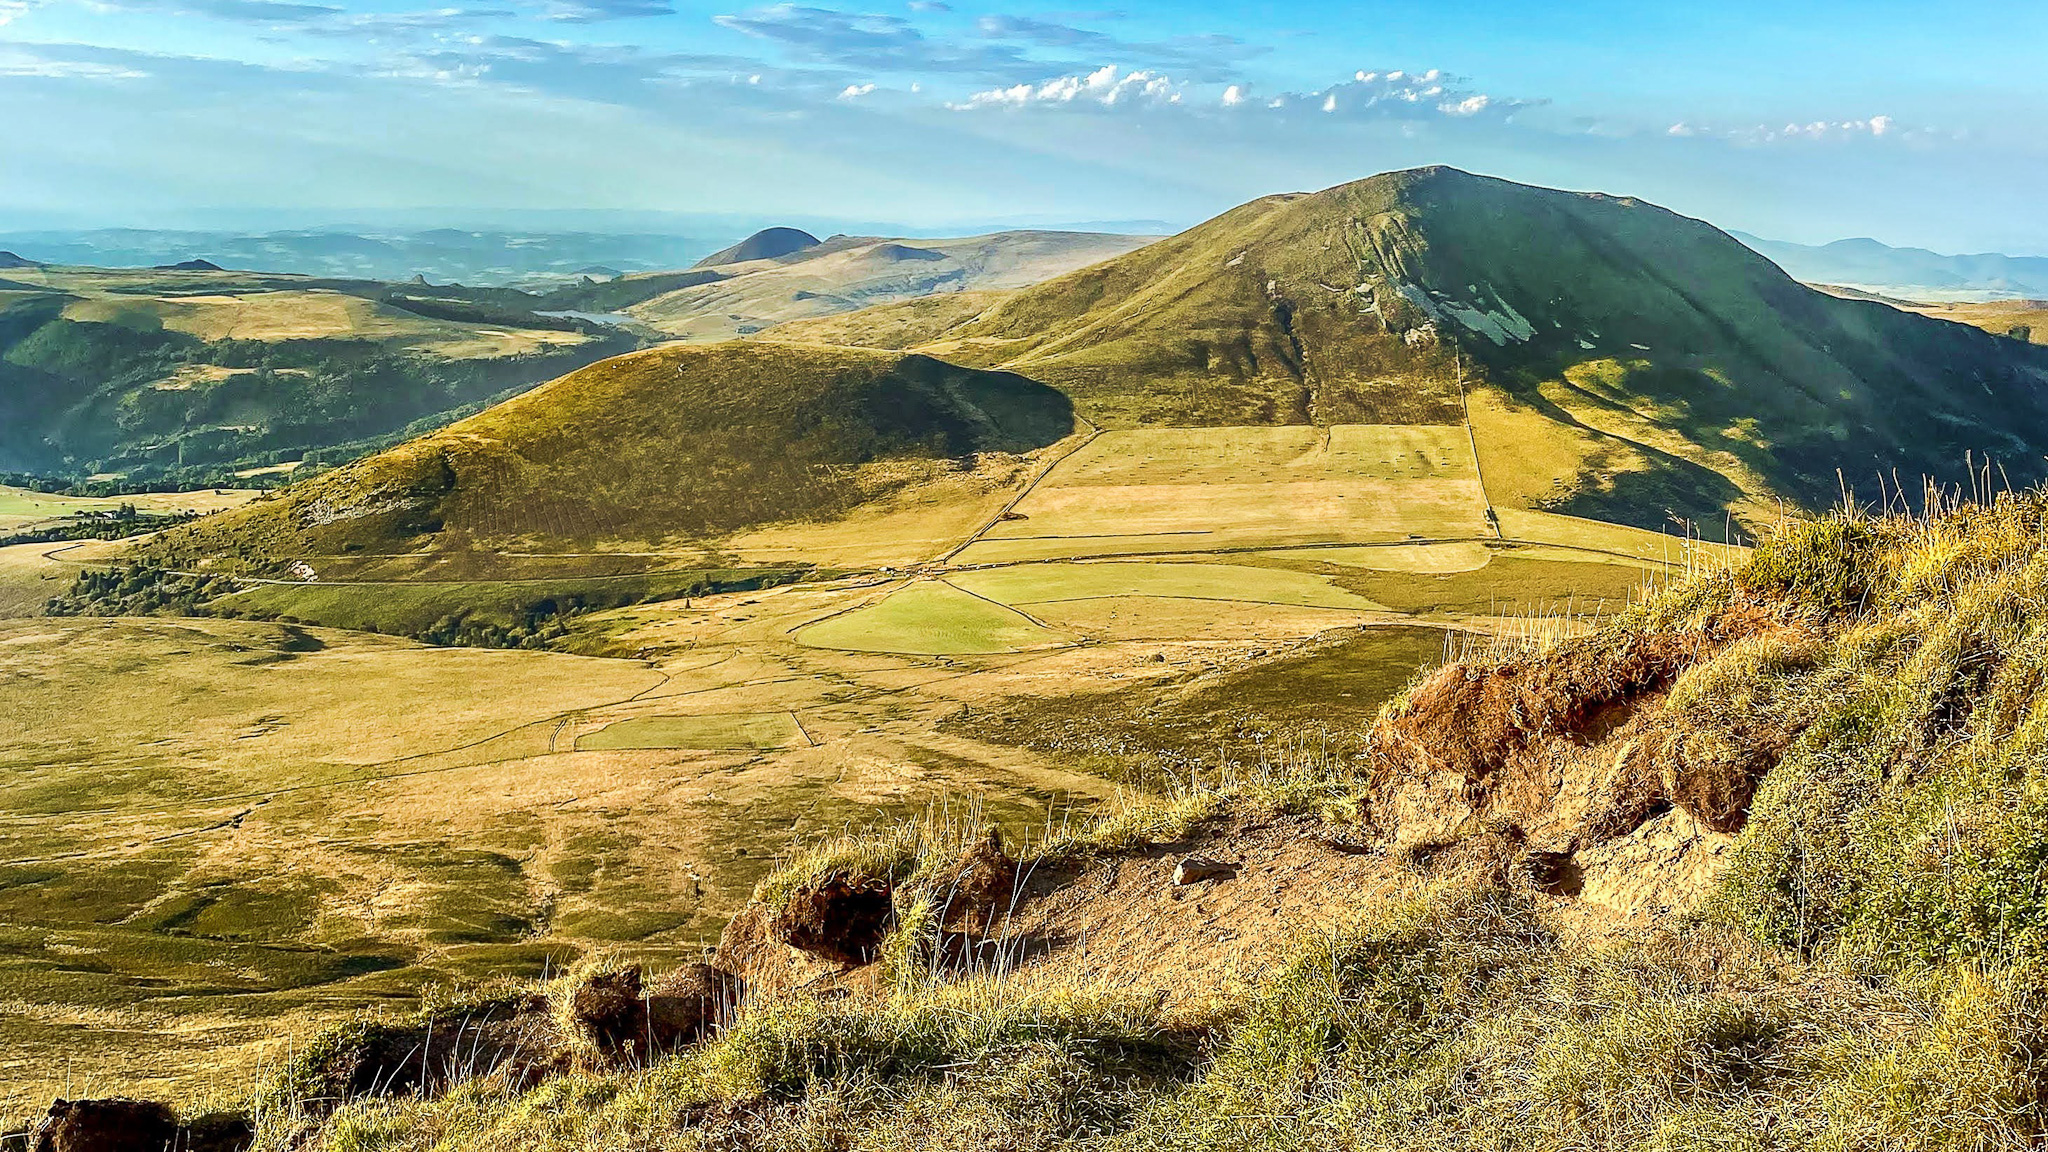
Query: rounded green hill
(674, 442)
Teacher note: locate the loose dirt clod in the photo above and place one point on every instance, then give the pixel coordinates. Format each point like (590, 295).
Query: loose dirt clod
(978, 889)
(619, 1015)
(116, 1124)
(512, 1038)
(840, 918)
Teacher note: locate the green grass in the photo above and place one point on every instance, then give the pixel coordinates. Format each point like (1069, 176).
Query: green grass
(676, 443)
(415, 609)
(741, 730)
(1510, 585)
(931, 618)
(1050, 583)
(1866, 974)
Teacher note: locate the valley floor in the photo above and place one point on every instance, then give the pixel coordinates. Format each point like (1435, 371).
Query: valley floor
(222, 835)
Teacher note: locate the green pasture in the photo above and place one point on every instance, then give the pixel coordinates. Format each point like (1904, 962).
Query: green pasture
(1052, 583)
(931, 618)
(413, 609)
(742, 730)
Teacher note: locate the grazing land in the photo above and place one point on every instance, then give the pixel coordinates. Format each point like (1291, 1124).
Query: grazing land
(1179, 540)
(1178, 490)
(272, 317)
(25, 508)
(284, 832)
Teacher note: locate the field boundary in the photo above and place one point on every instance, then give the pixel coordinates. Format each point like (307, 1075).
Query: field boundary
(1472, 438)
(1094, 430)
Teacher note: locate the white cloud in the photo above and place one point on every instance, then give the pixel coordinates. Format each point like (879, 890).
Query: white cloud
(856, 91)
(1810, 131)
(1233, 96)
(1400, 94)
(10, 9)
(1108, 86)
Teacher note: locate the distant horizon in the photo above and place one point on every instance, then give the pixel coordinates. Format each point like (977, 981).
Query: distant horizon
(720, 228)
(1809, 122)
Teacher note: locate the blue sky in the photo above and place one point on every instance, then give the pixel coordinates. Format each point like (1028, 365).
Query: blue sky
(1800, 120)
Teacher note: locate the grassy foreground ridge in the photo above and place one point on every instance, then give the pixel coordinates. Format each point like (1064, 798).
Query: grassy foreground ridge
(1830, 755)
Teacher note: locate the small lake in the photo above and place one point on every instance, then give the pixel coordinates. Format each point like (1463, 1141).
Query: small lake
(615, 319)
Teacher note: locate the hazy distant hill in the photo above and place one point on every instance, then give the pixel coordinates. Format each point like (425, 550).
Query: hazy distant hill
(673, 442)
(1913, 273)
(767, 244)
(184, 375)
(490, 258)
(749, 293)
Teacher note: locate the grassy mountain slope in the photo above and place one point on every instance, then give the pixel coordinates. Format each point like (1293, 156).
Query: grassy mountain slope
(186, 376)
(902, 325)
(1674, 354)
(2022, 320)
(1757, 864)
(674, 442)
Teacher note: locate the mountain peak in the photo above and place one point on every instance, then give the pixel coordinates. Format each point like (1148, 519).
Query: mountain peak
(767, 244)
(1387, 300)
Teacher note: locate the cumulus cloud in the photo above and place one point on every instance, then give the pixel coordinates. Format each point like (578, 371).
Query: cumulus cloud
(856, 91)
(1107, 87)
(1401, 94)
(1396, 94)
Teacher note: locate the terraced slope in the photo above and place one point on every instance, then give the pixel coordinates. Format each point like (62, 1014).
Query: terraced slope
(670, 443)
